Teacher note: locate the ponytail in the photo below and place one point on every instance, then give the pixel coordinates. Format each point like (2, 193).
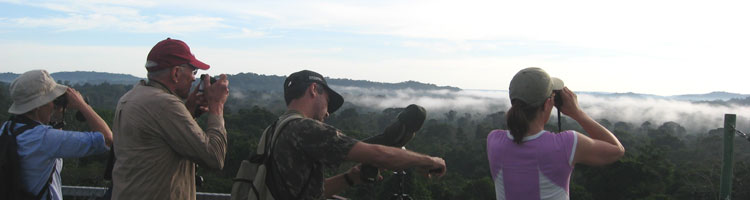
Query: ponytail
(519, 117)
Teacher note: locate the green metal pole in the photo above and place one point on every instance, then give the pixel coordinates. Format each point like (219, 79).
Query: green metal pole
(728, 159)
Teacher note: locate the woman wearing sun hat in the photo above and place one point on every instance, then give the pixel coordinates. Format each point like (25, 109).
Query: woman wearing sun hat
(527, 162)
(41, 147)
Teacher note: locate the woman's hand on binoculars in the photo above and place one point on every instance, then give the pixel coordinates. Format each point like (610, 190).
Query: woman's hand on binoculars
(570, 103)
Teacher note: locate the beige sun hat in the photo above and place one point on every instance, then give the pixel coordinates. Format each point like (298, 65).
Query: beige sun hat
(33, 89)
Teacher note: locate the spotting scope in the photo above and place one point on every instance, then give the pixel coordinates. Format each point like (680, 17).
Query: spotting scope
(397, 134)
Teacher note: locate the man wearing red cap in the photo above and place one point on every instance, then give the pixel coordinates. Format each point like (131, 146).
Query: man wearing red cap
(157, 141)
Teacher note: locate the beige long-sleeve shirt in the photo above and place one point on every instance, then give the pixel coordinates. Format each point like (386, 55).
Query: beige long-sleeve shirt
(157, 143)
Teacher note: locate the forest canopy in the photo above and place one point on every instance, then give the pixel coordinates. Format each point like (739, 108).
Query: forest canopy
(665, 160)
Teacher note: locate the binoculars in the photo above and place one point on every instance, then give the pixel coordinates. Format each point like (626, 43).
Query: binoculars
(62, 102)
(558, 104)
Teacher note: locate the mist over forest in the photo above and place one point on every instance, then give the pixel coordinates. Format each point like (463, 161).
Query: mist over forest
(696, 116)
(673, 144)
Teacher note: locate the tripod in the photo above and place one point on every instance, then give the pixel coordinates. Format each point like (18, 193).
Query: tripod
(401, 194)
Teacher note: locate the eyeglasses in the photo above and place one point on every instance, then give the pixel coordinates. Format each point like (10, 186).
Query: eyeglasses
(195, 69)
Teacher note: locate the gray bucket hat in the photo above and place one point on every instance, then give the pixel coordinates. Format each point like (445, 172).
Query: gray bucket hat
(533, 85)
(33, 89)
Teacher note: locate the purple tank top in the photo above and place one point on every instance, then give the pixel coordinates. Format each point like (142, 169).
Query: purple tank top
(539, 168)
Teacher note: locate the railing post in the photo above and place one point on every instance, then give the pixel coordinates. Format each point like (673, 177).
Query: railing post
(728, 159)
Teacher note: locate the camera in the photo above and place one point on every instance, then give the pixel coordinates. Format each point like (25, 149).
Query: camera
(212, 80)
(203, 77)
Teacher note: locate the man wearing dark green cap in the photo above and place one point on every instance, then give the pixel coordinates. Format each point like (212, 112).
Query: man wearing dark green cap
(306, 146)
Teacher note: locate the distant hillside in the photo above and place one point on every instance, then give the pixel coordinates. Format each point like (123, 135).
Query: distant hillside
(81, 77)
(402, 85)
(256, 82)
(243, 81)
(740, 101)
(710, 96)
(627, 94)
(259, 82)
(95, 77)
(713, 97)
(272, 83)
(7, 77)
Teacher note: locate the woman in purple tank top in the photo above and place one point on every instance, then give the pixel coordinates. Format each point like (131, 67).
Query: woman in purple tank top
(527, 162)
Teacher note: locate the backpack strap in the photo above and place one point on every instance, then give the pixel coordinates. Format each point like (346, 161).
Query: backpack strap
(46, 186)
(10, 186)
(28, 124)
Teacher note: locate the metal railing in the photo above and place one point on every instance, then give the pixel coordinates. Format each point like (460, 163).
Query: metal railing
(94, 193)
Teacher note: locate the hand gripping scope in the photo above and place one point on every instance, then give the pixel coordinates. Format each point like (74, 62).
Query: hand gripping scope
(397, 134)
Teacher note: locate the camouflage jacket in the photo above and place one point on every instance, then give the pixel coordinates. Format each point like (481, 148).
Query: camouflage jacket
(304, 148)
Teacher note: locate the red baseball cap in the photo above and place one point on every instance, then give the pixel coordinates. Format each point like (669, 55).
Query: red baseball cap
(169, 53)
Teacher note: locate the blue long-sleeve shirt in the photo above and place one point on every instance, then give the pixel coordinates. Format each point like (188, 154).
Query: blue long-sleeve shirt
(41, 147)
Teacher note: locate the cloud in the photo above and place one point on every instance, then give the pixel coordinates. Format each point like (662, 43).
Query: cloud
(669, 28)
(160, 24)
(174, 24)
(578, 38)
(436, 102)
(451, 46)
(247, 33)
(695, 117)
(635, 46)
(88, 6)
(122, 16)
(490, 20)
(237, 94)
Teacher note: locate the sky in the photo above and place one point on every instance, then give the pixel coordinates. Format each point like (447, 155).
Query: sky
(652, 47)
